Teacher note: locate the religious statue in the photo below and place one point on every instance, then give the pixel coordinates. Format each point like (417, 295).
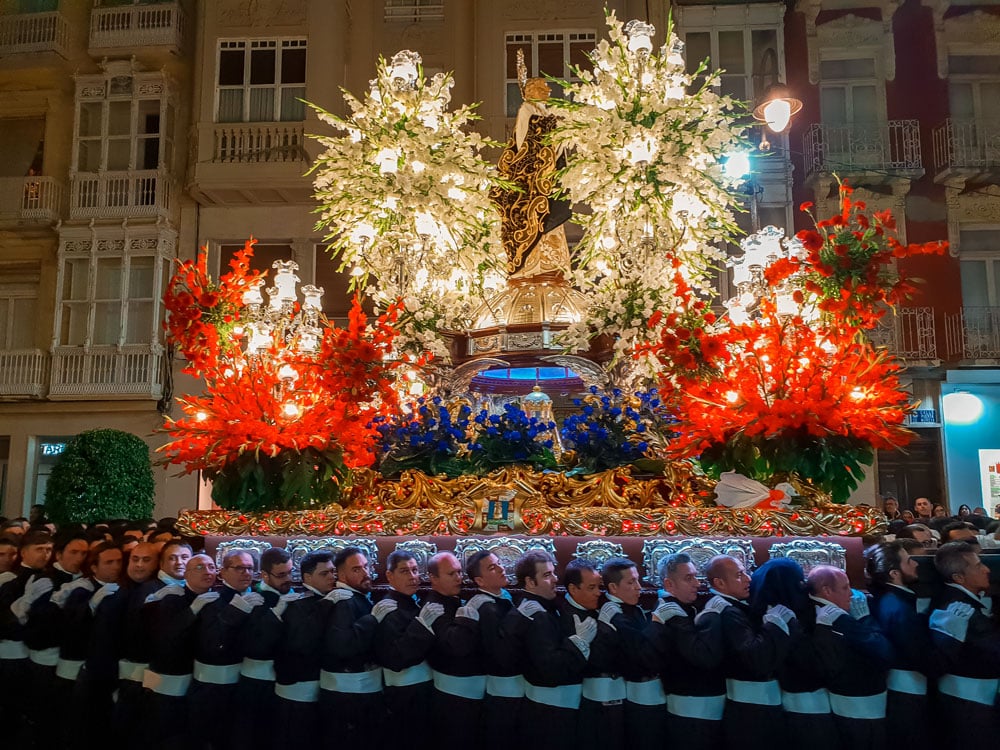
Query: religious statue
(532, 230)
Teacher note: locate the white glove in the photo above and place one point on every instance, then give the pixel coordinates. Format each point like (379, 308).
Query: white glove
(608, 612)
(478, 601)
(6, 577)
(339, 595)
(859, 604)
(529, 608)
(829, 614)
(253, 599)
(468, 612)
(666, 610)
(780, 615)
(283, 601)
(246, 602)
(207, 598)
(586, 631)
(161, 594)
(586, 628)
(429, 613)
(62, 595)
(106, 590)
(715, 605)
(953, 621)
(383, 607)
(35, 590)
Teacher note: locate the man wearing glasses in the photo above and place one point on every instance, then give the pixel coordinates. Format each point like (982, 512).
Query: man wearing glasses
(218, 653)
(254, 697)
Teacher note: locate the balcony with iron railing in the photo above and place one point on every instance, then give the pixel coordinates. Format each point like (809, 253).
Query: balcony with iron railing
(120, 195)
(881, 151)
(34, 199)
(33, 32)
(107, 372)
(908, 334)
(969, 149)
(973, 335)
(415, 11)
(243, 163)
(23, 372)
(140, 25)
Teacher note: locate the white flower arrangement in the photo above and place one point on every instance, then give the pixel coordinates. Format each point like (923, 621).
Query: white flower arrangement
(404, 196)
(645, 145)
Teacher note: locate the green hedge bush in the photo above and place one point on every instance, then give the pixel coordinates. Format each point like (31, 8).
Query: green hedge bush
(102, 475)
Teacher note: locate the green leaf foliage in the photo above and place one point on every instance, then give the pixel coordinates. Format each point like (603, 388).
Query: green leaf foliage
(292, 480)
(834, 464)
(102, 475)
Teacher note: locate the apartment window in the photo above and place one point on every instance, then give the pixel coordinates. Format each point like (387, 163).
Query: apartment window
(974, 89)
(748, 58)
(261, 80)
(850, 91)
(414, 10)
(124, 130)
(548, 53)
(18, 315)
(111, 301)
(24, 146)
(980, 266)
(37, 6)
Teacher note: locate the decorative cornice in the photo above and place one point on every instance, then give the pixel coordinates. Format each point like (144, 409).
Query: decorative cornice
(850, 32)
(977, 30)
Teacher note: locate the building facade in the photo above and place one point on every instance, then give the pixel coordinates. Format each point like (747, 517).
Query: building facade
(135, 132)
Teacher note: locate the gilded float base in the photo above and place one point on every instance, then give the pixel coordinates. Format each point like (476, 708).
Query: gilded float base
(518, 501)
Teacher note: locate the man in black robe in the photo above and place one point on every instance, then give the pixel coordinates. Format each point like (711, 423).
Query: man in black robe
(299, 652)
(350, 681)
(403, 640)
(690, 651)
(456, 657)
(500, 643)
(891, 571)
(967, 642)
(554, 663)
(755, 651)
(255, 701)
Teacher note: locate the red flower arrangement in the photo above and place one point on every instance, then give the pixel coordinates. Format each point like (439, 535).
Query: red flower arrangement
(268, 441)
(201, 313)
(782, 396)
(848, 264)
(791, 398)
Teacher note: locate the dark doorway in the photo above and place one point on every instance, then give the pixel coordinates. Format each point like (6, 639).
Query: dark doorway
(914, 471)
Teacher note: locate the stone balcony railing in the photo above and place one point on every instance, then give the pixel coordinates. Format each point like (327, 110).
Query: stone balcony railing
(140, 25)
(33, 32)
(974, 334)
(114, 195)
(23, 372)
(892, 146)
(967, 145)
(909, 335)
(31, 199)
(256, 142)
(414, 11)
(107, 371)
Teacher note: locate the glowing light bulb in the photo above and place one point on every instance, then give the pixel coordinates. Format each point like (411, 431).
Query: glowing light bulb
(291, 409)
(201, 416)
(777, 114)
(732, 397)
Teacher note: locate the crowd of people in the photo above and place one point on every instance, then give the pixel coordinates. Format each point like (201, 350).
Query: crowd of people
(108, 638)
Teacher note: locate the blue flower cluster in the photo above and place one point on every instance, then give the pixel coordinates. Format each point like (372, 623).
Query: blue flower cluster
(612, 430)
(512, 437)
(431, 439)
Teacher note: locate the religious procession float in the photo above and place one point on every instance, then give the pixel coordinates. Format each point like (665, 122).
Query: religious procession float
(492, 380)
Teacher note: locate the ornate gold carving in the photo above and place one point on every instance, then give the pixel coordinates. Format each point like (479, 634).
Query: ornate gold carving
(612, 503)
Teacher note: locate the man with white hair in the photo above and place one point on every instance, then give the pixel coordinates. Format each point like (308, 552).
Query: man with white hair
(855, 656)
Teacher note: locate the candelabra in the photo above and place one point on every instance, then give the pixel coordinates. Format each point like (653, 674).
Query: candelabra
(760, 250)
